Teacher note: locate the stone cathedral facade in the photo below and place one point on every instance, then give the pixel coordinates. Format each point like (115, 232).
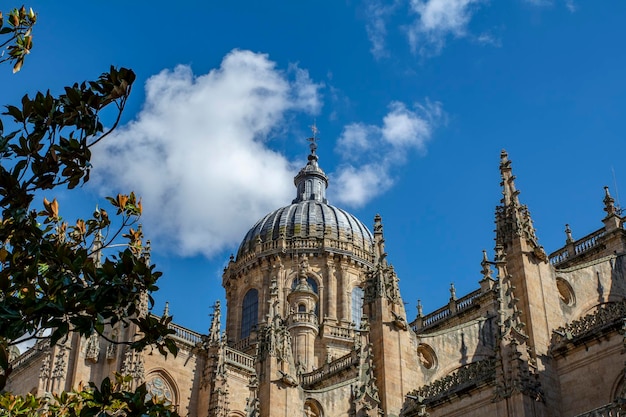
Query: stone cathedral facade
(315, 326)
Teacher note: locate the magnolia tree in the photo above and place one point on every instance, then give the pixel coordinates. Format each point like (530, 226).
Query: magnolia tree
(59, 277)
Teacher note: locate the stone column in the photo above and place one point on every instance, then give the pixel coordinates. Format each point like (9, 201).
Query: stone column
(343, 294)
(331, 296)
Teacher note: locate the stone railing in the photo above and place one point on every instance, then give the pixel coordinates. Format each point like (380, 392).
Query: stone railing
(302, 318)
(465, 378)
(453, 307)
(338, 332)
(185, 335)
(243, 344)
(606, 315)
(331, 368)
(30, 353)
(559, 256)
(326, 244)
(609, 410)
(467, 301)
(577, 247)
(239, 359)
(435, 317)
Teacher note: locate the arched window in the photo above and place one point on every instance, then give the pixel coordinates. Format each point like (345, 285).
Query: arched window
(159, 386)
(312, 408)
(313, 284)
(309, 280)
(357, 306)
(249, 312)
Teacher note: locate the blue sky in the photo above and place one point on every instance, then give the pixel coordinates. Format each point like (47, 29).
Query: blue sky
(413, 100)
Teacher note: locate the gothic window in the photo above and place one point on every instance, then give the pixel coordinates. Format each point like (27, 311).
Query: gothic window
(301, 308)
(249, 312)
(158, 388)
(357, 305)
(312, 408)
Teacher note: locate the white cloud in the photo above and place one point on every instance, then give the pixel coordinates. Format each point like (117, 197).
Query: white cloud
(377, 16)
(436, 21)
(197, 153)
(405, 128)
(355, 186)
(355, 139)
(371, 151)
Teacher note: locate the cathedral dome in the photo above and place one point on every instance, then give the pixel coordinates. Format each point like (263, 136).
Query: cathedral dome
(309, 223)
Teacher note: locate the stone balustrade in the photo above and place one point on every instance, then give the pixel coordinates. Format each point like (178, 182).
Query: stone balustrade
(316, 244)
(239, 359)
(30, 353)
(243, 344)
(300, 318)
(185, 335)
(467, 301)
(441, 314)
(559, 256)
(331, 368)
(338, 332)
(577, 247)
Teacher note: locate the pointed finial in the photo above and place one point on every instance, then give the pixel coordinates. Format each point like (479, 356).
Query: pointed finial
(214, 330)
(96, 249)
(609, 203)
(379, 241)
(452, 291)
(166, 310)
(486, 271)
(420, 309)
(509, 193)
(147, 249)
(568, 234)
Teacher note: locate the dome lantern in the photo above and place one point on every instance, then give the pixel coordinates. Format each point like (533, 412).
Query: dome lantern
(311, 182)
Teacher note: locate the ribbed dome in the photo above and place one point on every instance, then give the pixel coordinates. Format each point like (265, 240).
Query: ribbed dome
(309, 219)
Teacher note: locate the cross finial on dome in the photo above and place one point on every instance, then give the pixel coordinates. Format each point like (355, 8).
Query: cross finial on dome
(313, 139)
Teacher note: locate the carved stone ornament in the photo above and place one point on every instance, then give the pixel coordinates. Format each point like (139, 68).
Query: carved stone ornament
(92, 351)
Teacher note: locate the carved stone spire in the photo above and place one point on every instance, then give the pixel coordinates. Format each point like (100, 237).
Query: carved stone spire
(379, 242)
(214, 330)
(509, 193)
(568, 234)
(487, 282)
(613, 219)
(512, 218)
(609, 202)
(96, 249)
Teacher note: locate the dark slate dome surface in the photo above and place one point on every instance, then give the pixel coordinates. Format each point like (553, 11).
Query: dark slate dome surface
(308, 219)
(309, 216)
